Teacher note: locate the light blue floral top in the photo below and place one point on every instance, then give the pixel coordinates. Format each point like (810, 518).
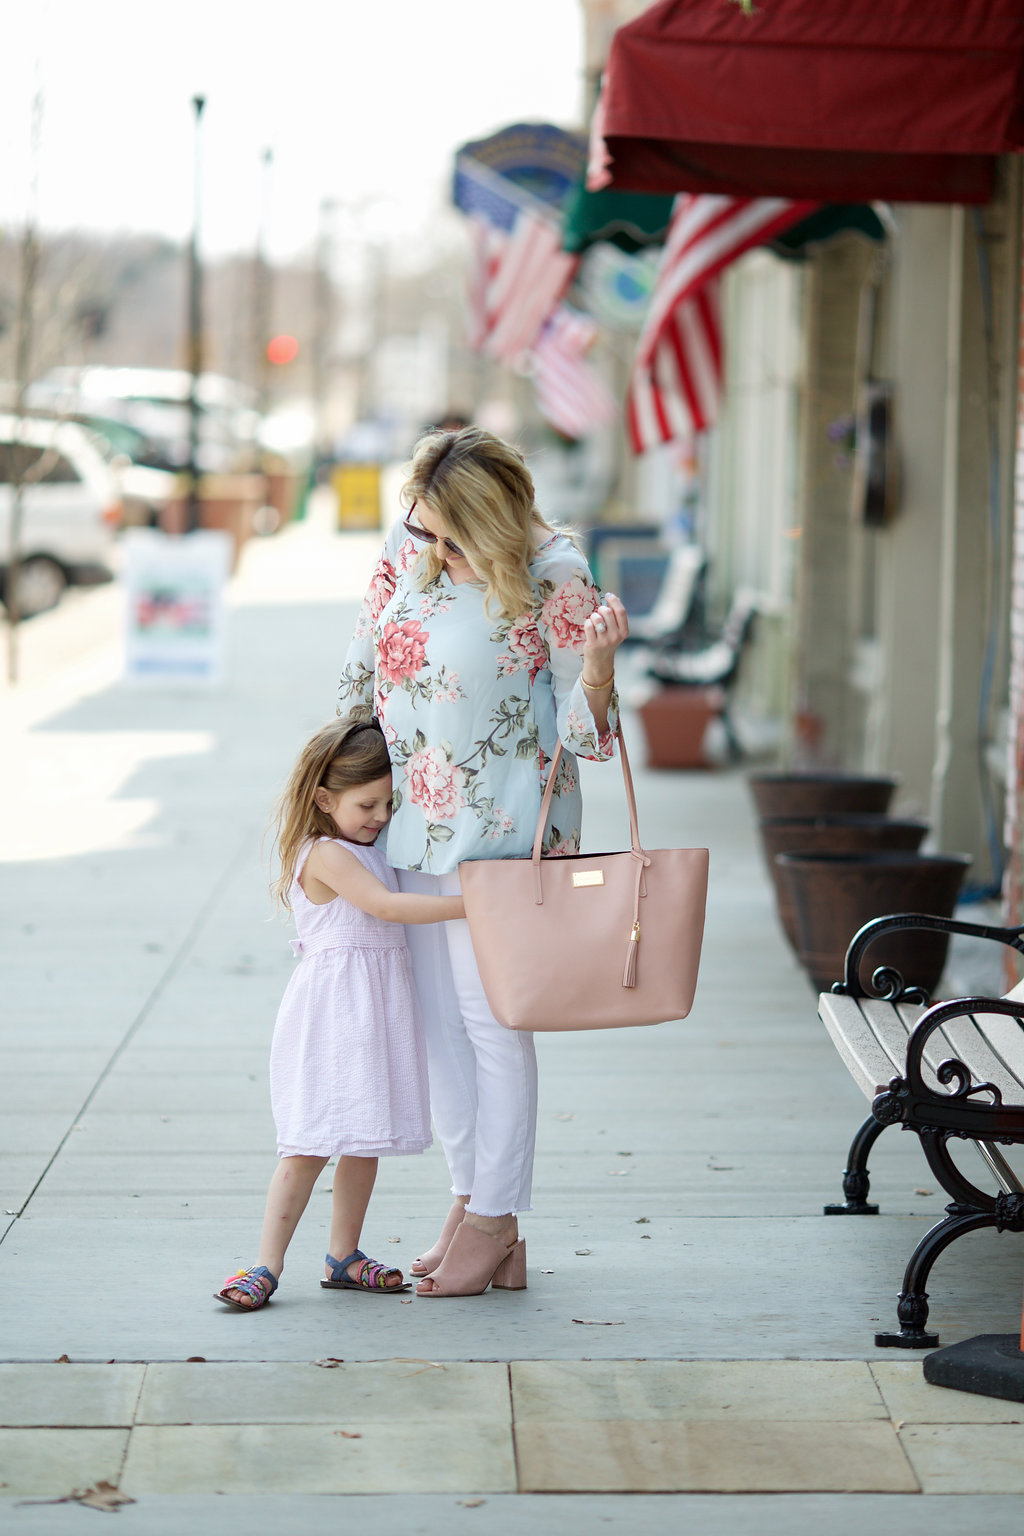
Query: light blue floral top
(472, 706)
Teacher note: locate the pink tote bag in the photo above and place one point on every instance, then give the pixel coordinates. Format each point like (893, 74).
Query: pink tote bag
(589, 940)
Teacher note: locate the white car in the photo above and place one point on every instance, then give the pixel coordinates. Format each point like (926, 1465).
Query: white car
(71, 509)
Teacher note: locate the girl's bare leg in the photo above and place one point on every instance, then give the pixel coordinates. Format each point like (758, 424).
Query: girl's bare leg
(354, 1179)
(287, 1198)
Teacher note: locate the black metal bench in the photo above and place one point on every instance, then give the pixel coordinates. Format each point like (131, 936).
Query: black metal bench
(946, 1071)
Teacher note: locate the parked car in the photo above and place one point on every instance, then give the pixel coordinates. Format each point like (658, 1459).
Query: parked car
(70, 509)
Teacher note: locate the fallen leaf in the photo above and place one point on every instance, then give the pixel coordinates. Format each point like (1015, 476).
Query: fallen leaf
(625, 1154)
(898, 1424)
(600, 1322)
(62, 1360)
(547, 1271)
(645, 1237)
(329, 1362)
(924, 1191)
(643, 1221)
(406, 1301)
(348, 1434)
(619, 1173)
(195, 1360)
(10, 1213)
(103, 1496)
(472, 1503)
(394, 1239)
(581, 1253)
(565, 1117)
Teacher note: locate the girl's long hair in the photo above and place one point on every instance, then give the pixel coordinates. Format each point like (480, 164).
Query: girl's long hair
(480, 486)
(342, 755)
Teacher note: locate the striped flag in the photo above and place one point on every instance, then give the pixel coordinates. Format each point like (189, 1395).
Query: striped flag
(570, 393)
(516, 280)
(676, 381)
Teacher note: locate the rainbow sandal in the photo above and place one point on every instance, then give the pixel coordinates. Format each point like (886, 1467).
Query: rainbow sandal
(251, 1282)
(370, 1276)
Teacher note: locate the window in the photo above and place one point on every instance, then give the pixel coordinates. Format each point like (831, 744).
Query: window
(31, 465)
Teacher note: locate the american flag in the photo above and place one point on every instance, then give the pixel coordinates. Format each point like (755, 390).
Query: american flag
(516, 280)
(677, 373)
(570, 393)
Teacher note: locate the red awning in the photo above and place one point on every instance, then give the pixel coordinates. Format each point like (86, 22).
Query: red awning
(840, 100)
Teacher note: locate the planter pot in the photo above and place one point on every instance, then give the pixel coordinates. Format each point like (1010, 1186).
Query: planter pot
(834, 894)
(821, 794)
(831, 834)
(675, 722)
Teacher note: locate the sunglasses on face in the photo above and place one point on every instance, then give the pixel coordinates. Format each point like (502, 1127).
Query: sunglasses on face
(426, 537)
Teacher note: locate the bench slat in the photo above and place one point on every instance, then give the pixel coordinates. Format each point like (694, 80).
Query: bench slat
(872, 1061)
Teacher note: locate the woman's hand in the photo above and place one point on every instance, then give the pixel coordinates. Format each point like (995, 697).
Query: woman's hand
(603, 633)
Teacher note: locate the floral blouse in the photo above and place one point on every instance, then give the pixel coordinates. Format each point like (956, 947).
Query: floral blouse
(472, 706)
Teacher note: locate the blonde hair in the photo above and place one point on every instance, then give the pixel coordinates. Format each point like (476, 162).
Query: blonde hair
(481, 488)
(342, 755)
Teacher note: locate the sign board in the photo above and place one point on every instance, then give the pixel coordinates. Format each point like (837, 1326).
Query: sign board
(174, 608)
(357, 495)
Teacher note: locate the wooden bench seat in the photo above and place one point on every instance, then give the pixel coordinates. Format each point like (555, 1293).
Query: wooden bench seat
(953, 1070)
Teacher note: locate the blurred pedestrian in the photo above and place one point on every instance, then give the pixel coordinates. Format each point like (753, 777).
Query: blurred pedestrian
(483, 640)
(347, 1074)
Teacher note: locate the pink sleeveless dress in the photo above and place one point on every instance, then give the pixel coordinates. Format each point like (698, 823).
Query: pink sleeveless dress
(348, 1072)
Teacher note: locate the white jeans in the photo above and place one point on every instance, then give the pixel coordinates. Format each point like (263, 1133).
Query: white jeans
(483, 1077)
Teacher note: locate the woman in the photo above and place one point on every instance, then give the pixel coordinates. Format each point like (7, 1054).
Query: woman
(482, 641)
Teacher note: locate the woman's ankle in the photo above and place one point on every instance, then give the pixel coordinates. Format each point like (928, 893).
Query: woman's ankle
(505, 1227)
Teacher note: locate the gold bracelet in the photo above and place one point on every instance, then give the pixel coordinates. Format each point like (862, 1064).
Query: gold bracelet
(597, 687)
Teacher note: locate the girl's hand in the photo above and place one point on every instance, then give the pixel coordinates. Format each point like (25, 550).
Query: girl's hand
(603, 633)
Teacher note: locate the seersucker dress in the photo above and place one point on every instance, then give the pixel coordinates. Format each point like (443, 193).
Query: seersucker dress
(348, 1072)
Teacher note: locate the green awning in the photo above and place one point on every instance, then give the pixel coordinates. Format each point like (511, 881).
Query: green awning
(629, 220)
(827, 224)
(633, 220)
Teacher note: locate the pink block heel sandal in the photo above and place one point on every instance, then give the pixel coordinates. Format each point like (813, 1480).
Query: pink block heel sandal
(476, 1260)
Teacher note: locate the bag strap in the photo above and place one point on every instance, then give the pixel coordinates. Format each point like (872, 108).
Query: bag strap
(545, 805)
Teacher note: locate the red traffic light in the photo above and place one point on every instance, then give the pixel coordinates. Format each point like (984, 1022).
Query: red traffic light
(282, 349)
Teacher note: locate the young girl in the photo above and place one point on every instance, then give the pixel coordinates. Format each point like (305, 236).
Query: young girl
(347, 1072)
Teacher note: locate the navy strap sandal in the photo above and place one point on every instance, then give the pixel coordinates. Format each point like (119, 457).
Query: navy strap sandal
(370, 1275)
(257, 1283)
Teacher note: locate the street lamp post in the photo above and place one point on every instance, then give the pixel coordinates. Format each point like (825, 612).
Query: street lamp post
(195, 331)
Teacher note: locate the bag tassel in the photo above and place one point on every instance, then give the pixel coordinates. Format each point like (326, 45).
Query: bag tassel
(629, 974)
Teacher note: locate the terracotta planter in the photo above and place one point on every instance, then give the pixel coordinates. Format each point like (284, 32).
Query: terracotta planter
(675, 721)
(831, 834)
(834, 894)
(821, 794)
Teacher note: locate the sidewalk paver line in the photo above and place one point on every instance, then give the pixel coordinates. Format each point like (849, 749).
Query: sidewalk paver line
(910, 1400)
(966, 1458)
(149, 1003)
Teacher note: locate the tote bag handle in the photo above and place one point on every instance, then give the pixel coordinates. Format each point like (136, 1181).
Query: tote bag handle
(545, 806)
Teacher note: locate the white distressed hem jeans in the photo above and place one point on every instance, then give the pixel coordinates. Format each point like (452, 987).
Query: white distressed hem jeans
(483, 1077)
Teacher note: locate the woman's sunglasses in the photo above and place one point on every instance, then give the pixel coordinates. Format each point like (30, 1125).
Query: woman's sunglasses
(430, 538)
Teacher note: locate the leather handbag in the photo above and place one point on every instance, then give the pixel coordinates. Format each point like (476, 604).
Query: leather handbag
(588, 941)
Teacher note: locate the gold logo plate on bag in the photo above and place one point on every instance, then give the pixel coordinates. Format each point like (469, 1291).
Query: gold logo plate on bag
(588, 877)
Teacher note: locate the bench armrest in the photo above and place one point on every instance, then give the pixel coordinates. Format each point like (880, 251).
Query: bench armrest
(888, 982)
(954, 1071)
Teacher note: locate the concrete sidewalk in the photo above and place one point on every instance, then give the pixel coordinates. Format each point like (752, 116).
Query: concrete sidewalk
(693, 1324)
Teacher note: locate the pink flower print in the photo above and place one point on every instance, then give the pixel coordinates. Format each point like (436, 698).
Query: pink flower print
(401, 650)
(390, 734)
(406, 556)
(527, 646)
(502, 825)
(435, 784)
(562, 846)
(578, 726)
(448, 689)
(381, 589)
(565, 611)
